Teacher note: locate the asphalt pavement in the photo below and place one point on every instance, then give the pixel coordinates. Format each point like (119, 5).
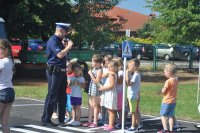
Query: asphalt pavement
(26, 114)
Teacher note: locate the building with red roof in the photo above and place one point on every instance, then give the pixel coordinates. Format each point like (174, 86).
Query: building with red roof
(130, 20)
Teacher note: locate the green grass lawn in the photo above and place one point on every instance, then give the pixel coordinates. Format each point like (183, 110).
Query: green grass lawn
(150, 99)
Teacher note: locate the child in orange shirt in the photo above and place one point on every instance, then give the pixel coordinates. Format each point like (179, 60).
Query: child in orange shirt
(70, 74)
(169, 92)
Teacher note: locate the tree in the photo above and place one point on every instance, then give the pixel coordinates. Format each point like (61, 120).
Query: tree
(92, 24)
(33, 18)
(37, 18)
(177, 21)
(145, 31)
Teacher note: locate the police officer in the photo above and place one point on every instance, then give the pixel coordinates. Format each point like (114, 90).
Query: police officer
(57, 51)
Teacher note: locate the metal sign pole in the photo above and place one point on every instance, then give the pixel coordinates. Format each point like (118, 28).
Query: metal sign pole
(124, 96)
(126, 53)
(198, 83)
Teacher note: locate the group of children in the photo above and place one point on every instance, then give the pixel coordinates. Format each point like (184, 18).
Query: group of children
(105, 93)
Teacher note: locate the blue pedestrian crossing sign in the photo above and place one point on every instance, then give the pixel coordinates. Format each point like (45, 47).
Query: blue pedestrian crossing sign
(126, 49)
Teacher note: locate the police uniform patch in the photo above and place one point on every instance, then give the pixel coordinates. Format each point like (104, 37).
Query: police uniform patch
(57, 50)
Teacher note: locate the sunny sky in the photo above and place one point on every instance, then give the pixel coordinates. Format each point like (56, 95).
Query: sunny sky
(135, 5)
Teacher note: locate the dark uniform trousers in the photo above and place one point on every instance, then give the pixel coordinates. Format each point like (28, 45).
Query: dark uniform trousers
(56, 94)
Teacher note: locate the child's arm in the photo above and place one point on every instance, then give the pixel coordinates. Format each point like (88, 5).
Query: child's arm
(105, 75)
(96, 79)
(165, 88)
(120, 78)
(70, 82)
(111, 85)
(128, 80)
(82, 83)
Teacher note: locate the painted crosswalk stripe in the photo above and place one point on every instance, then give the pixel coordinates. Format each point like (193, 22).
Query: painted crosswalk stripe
(94, 128)
(78, 129)
(46, 129)
(22, 130)
(24, 105)
(152, 119)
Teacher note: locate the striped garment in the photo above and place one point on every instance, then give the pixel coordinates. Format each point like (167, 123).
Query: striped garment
(93, 89)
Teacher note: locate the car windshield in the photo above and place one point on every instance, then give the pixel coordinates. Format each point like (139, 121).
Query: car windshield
(35, 41)
(16, 42)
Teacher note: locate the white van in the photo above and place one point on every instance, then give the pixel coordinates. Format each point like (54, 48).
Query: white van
(164, 51)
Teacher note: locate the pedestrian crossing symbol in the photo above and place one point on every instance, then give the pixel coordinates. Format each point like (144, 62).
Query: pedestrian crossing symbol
(126, 49)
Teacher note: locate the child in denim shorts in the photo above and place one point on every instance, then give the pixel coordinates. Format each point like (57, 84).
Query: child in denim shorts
(7, 93)
(169, 92)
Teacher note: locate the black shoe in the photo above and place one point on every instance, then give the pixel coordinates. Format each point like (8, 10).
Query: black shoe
(61, 124)
(48, 124)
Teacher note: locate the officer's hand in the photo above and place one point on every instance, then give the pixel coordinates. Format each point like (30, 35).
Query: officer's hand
(65, 42)
(70, 44)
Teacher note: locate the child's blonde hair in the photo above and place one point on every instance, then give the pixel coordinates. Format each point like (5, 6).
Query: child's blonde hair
(119, 61)
(171, 68)
(97, 58)
(114, 64)
(135, 61)
(109, 57)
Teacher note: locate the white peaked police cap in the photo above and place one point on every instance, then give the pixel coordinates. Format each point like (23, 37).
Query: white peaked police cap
(65, 26)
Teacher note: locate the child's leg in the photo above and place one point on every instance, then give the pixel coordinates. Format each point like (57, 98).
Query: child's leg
(73, 112)
(90, 109)
(171, 115)
(5, 110)
(67, 114)
(133, 110)
(100, 111)
(138, 118)
(171, 123)
(164, 123)
(175, 121)
(176, 126)
(68, 106)
(78, 112)
(120, 116)
(95, 102)
(111, 117)
(133, 120)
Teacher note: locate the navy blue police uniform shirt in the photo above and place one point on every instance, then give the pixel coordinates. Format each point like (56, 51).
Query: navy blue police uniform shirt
(55, 46)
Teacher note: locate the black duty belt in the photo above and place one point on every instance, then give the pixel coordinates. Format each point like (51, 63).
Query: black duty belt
(53, 68)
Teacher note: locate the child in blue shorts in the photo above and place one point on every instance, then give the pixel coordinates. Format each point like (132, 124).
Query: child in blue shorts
(169, 92)
(77, 82)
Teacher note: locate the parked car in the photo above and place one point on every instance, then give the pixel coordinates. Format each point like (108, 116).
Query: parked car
(164, 51)
(16, 45)
(181, 52)
(185, 51)
(114, 49)
(140, 50)
(195, 51)
(36, 45)
(2, 29)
